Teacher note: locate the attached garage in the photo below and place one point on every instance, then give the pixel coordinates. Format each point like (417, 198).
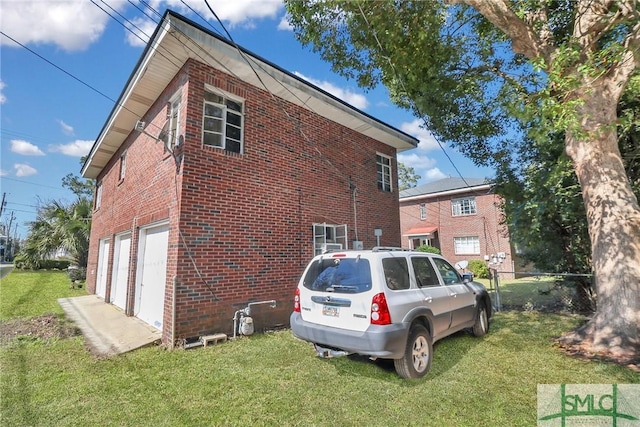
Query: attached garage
(120, 277)
(151, 275)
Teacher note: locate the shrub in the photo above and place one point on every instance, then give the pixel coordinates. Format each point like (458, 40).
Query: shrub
(479, 269)
(77, 274)
(26, 263)
(429, 249)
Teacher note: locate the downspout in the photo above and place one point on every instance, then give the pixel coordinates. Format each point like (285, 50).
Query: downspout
(173, 312)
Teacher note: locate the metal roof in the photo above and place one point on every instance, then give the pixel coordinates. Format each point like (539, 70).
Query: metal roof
(175, 40)
(445, 185)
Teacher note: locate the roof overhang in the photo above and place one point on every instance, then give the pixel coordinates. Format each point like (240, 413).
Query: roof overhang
(177, 39)
(464, 190)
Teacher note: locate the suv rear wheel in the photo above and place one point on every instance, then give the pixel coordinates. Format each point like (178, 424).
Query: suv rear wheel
(417, 355)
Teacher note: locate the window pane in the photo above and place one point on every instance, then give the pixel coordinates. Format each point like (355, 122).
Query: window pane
(212, 111)
(448, 273)
(232, 105)
(213, 125)
(212, 139)
(234, 119)
(212, 97)
(233, 132)
(396, 273)
(424, 272)
(233, 146)
(348, 275)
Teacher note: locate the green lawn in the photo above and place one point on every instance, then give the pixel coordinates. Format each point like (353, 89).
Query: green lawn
(275, 379)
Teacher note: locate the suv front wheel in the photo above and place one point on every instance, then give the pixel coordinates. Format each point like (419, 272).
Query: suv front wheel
(416, 361)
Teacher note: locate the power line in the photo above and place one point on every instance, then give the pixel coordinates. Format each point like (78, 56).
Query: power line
(31, 183)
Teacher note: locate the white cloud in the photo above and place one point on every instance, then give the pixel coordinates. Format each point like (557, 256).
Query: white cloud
(77, 148)
(66, 129)
(25, 148)
(72, 25)
(142, 29)
(3, 98)
(234, 12)
(427, 140)
(23, 169)
(4, 172)
(357, 100)
(284, 24)
(433, 174)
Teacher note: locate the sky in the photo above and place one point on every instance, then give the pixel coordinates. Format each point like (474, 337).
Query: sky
(72, 58)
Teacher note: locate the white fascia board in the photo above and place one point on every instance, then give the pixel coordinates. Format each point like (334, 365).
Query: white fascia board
(447, 193)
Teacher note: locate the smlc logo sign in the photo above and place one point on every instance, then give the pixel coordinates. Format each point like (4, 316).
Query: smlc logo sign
(588, 405)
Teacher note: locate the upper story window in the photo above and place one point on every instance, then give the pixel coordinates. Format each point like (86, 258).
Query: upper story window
(174, 122)
(123, 165)
(222, 122)
(464, 206)
(423, 211)
(384, 172)
(98, 199)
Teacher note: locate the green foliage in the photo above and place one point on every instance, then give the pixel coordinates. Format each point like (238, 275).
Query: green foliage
(478, 268)
(407, 177)
(59, 225)
(25, 263)
(429, 249)
(77, 274)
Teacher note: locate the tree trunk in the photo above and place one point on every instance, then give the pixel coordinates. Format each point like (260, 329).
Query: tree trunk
(613, 217)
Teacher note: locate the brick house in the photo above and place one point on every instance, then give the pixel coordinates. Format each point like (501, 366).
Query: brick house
(219, 175)
(460, 217)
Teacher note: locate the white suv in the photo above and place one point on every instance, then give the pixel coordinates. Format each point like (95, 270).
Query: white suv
(386, 303)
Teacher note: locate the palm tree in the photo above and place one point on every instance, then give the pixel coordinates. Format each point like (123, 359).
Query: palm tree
(59, 226)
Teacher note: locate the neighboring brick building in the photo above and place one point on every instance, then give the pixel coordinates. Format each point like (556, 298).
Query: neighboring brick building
(460, 217)
(234, 178)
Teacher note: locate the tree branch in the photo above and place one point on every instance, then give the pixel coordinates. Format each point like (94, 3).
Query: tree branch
(524, 39)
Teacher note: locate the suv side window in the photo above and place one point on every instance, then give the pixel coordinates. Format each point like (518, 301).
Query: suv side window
(396, 273)
(448, 273)
(425, 274)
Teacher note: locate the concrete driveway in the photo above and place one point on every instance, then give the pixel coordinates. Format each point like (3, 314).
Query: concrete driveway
(107, 329)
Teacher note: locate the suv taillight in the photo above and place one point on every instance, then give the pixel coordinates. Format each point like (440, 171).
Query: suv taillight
(380, 310)
(296, 301)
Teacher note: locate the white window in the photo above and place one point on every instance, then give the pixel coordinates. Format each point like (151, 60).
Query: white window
(123, 165)
(384, 172)
(222, 122)
(329, 237)
(98, 200)
(423, 211)
(174, 122)
(466, 245)
(464, 206)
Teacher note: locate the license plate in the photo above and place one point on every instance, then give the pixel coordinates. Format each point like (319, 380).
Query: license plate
(328, 310)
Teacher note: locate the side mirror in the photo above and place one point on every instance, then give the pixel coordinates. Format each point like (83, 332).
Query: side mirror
(467, 277)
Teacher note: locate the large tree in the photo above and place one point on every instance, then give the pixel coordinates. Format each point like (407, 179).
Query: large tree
(483, 73)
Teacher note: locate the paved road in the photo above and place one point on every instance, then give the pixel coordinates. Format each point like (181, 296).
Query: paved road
(5, 269)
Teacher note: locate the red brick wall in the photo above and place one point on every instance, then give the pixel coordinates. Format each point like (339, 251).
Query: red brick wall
(485, 224)
(245, 218)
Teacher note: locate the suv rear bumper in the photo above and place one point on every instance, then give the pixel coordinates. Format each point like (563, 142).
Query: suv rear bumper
(384, 341)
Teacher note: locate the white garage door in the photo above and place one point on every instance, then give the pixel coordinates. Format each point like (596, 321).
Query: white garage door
(120, 279)
(103, 267)
(151, 275)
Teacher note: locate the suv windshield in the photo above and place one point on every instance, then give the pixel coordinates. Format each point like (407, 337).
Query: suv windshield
(350, 275)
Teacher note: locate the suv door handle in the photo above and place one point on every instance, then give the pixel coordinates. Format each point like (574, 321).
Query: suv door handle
(453, 294)
(428, 299)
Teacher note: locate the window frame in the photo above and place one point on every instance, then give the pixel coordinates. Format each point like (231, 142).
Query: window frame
(173, 118)
(475, 244)
(464, 206)
(324, 233)
(384, 170)
(123, 165)
(224, 119)
(423, 211)
(98, 197)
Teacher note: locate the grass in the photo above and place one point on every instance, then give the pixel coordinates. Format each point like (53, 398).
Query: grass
(275, 379)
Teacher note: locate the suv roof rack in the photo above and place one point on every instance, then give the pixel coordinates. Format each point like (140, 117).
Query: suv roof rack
(389, 248)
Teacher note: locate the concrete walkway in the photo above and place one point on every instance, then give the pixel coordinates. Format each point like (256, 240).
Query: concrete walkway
(106, 328)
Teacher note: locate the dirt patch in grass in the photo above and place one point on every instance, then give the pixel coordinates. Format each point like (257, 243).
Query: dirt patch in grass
(46, 327)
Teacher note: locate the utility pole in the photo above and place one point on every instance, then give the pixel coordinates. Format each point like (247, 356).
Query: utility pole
(6, 251)
(4, 196)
